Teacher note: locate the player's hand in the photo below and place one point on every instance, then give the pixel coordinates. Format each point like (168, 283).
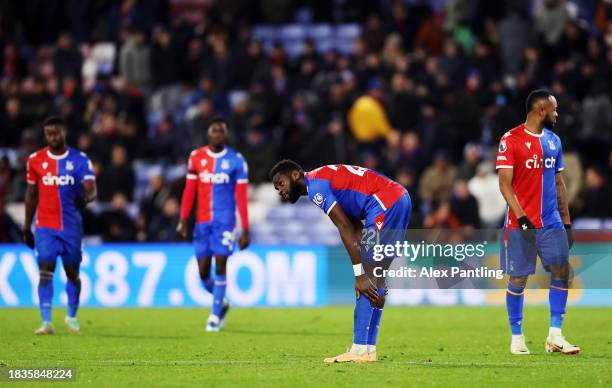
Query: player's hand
(527, 229)
(28, 238)
(363, 285)
(182, 228)
(245, 239)
(570, 235)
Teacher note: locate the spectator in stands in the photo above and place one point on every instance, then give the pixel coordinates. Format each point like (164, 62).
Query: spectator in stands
(118, 177)
(441, 217)
(368, 119)
(514, 35)
(9, 231)
(165, 58)
(471, 159)
(115, 225)
(135, 61)
(550, 18)
(485, 188)
(67, 59)
(162, 226)
(597, 195)
(464, 205)
(13, 123)
(436, 183)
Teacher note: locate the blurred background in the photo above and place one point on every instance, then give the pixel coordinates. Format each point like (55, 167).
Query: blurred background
(419, 90)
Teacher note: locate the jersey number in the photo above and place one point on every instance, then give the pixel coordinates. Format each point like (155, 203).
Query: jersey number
(359, 171)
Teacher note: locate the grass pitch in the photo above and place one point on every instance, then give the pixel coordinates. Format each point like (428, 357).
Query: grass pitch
(419, 346)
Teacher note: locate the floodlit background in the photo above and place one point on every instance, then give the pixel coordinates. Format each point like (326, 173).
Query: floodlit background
(419, 90)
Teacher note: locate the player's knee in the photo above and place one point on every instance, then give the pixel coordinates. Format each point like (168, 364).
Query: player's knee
(220, 270)
(560, 272)
(518, 281)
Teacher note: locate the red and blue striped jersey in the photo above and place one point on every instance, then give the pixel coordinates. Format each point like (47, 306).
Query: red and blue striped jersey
(58, 179)
(535, 160)
(217, 175)
(362, 193)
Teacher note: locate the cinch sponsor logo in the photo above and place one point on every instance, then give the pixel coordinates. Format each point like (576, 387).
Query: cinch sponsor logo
(538, 163)
(52, 180)
(217, 178)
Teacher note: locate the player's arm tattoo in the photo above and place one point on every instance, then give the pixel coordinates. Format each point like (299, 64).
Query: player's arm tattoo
(505, 186)
(562, 202)
(31, 202)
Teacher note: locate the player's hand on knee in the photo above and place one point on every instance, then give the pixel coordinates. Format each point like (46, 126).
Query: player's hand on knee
(380, 302)
(528, 230)
(28, 238)
(363, 285)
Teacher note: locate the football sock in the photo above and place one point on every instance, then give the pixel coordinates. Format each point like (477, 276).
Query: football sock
(45, 294)
(219, 294)
(208, 284)
(514, 305)
(375, 322)
(557, 297)
(361, 320)
(73, 290)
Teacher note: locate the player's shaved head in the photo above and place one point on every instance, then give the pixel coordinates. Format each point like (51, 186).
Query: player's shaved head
(536, 97)
(285, 167)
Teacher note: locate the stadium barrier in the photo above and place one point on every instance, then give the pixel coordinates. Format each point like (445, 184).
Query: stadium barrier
(166, 275)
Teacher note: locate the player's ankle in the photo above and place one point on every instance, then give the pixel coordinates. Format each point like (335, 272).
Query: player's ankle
(554, 331)
(359, 349)
(371, 348)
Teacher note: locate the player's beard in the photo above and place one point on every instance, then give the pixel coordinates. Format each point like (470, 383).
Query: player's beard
(548, 123)
(294, 192)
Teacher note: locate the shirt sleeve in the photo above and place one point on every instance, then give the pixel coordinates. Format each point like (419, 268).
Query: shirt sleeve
(321, 193)
(192, 173)
(505, 156)
(559, 166)
(31, 176)
(87, 172)
(242, 170)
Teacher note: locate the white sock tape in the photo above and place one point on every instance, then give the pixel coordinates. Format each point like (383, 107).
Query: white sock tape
(358, 269)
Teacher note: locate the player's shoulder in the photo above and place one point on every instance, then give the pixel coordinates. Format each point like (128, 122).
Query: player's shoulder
(42, 153)
(77, 154)
(233, 153)
(198, 152)
(552, 136)
(513, 134)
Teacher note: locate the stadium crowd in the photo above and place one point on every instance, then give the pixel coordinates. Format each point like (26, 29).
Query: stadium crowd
(423, 94)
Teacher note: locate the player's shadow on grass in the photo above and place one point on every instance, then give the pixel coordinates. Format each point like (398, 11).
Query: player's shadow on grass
(276, 332)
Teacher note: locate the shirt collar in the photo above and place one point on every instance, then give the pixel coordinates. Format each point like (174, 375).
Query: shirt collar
(57, 157)
(216, 154)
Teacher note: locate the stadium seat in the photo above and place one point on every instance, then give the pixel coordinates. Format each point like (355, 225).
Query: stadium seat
(348, 32)
(265, 33)
(319, 32)
(291, 32)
